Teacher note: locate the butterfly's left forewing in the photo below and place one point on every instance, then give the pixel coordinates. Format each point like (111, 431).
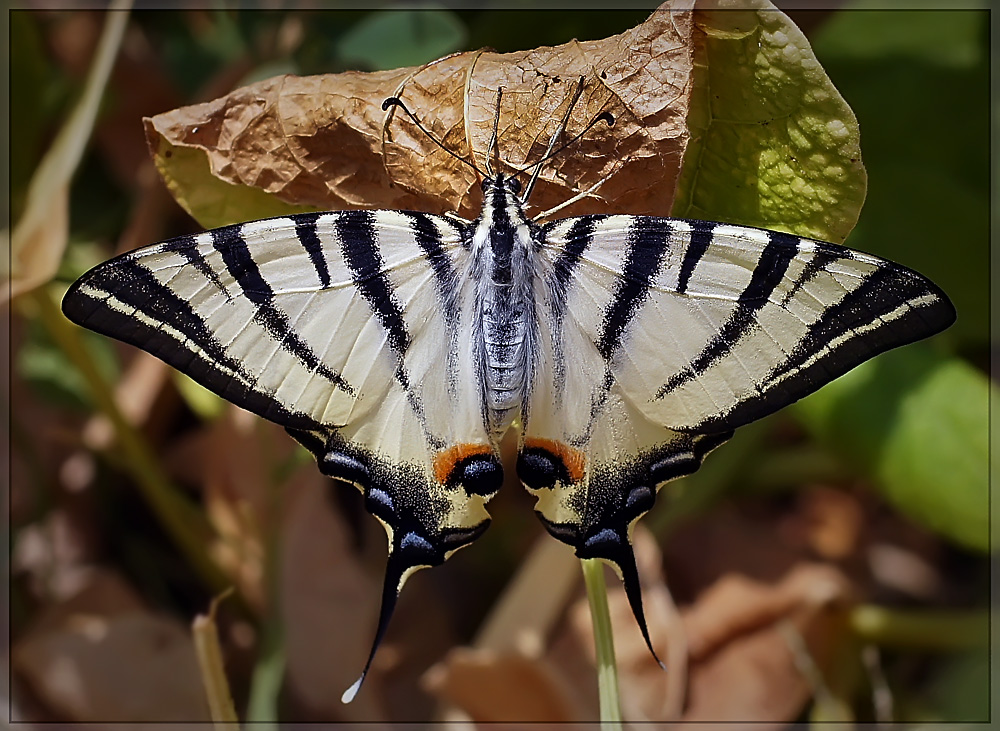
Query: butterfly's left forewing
(345, 328)
(664, 335)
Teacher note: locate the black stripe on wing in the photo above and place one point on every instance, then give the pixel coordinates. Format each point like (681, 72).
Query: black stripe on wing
(894, 306)
(187, 246)
(305, 229)
(359, 244)
(647, 242)
(822, 258)
(701, 239)
(166, 325)
(236, 254)
(577, 239)
(428, 239)
(767, 275)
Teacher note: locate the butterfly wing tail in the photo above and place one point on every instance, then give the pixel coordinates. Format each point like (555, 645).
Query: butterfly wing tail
(426, 521)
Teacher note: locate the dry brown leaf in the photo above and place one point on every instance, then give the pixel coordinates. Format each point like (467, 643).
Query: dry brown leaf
(740, 666)
(503, 687)
(516, 630)
(325, 142)
(736, 604)
(101, 657)
(755, 674)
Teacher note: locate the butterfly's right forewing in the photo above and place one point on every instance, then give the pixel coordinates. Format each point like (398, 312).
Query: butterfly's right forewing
(664, 335)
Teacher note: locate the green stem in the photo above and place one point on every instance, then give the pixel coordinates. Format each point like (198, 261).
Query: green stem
(268, 674)
(928, 629)
(604, 645)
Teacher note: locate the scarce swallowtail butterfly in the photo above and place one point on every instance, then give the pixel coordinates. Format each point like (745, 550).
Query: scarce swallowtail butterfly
(399, 347)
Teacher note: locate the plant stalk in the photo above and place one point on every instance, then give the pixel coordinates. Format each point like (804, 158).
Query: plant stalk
(604, 645)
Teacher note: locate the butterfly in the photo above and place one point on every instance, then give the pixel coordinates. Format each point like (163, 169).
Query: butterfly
(400, 347)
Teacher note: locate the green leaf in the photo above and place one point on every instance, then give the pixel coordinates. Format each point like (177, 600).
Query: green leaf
(396, 38)
(961, 690)
(211, 201)
(773, 142)
(917, 423)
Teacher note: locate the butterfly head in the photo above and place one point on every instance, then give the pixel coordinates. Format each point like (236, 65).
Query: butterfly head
(501, 191)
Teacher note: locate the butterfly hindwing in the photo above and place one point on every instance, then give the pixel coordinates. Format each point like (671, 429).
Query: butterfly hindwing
(342, 327)
(665, 335)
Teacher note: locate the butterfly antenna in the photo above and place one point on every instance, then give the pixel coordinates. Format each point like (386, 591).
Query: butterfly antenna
(550, 152)
(493, 137)
(552, 141)
(395, 101)
(602, 117)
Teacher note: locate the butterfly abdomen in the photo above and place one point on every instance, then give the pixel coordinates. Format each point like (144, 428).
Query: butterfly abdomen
(505, 353)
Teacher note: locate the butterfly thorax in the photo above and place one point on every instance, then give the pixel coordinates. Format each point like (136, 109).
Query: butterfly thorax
(503, 271)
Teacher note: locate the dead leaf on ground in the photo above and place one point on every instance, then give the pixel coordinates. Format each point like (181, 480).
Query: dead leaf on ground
(506, 653)
(739, 663)
(741, 666)
(101, 657)
(504, 687)
(324, 142)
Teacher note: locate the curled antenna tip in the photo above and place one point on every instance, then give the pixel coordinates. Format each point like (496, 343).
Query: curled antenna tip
(392, 101)
(606, 116)
(352, 691)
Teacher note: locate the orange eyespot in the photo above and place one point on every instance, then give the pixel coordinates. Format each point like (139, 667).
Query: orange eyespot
(574, 460)
(446, 460)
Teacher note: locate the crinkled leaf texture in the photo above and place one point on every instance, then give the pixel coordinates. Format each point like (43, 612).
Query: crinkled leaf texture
(720, 113)
(324, 142)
